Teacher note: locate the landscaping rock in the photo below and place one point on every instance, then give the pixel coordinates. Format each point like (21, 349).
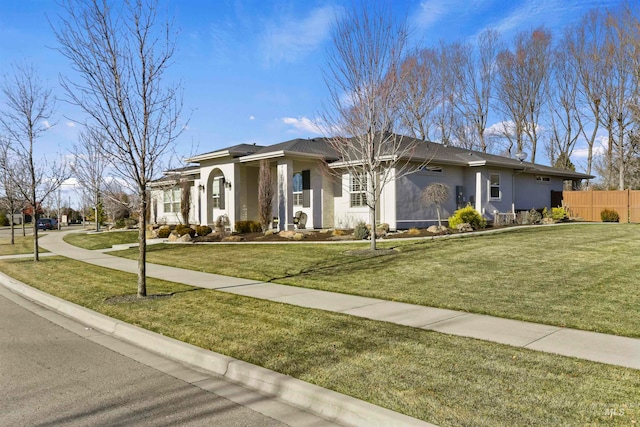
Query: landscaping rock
(437, 229)
(464, 227)
(269, 232)
(151, 234)
(173, 237)
(287, 234)
(298, 236)
(184, 238)
(233, 239)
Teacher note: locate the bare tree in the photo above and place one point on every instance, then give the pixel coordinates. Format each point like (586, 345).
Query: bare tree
(367, 49)
(9, 173)
(436, 193)
(418, 86)
(121, 52)
(521, 86)
(474, 77)
(89, 166)
(565, 116)
(265, 195)
(28, 108)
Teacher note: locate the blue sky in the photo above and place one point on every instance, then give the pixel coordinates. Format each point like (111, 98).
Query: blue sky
(252, 70)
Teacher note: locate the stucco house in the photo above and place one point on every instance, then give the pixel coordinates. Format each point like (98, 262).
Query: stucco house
(307, 179)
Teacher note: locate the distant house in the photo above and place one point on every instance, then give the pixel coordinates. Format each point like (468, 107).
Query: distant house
(225, 183)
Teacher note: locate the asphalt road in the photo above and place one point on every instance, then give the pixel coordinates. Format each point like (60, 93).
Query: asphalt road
(50, 375)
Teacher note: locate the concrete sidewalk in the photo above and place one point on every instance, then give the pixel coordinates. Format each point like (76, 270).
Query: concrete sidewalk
(610, 349)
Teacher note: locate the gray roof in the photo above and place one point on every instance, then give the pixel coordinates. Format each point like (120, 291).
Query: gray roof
(300, 146)
(235, 150)
(425, 150)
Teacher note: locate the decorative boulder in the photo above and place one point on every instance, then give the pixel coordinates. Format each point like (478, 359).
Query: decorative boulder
(298, 236)
(437, 229)
(185, 238)
(233, 239)
(287, 234)
(464, 227)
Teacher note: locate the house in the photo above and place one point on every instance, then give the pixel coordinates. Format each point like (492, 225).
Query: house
(308, 178)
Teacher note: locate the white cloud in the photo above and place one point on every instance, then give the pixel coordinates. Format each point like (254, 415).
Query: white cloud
(70, 124)
(291, 38)
(599, 148)
(304, 124)
(252, 118)
(430, 12)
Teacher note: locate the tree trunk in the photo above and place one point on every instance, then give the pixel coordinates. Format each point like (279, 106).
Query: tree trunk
(142, 240)
(34, 221)
(372, 221)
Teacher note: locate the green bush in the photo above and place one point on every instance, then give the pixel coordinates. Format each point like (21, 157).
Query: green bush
(559, 214)
(609, 215)
(164, 232)
(255, 227)
(361, 231)
(203, 230)
(467, 215)
(182, 229)
(3, 218)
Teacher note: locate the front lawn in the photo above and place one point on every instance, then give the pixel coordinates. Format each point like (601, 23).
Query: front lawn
(22, 245)
(102, 240)
(442, 379)
(579, 276)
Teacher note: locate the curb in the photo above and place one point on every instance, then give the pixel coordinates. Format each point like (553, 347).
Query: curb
(326, 403)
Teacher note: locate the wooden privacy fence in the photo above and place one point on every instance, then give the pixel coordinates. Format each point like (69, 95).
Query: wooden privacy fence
(589, 204)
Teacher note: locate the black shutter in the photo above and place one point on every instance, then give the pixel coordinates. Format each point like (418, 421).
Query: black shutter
(221, 192)
(306, 189)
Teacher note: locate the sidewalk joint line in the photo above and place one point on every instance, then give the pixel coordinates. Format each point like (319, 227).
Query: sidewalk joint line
(543, 337)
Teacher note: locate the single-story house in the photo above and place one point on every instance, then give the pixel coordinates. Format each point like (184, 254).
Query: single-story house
(307, 179)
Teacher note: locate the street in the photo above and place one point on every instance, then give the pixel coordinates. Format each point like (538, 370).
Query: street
(50, 375)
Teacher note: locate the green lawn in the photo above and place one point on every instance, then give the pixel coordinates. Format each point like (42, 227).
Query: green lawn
(442, 379)
(579, 276)
(22, 244)
(104, 240)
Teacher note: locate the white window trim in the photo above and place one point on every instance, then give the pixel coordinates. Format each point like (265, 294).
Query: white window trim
(361, 192)
(430, 170)
(499, 186)
(543, 179)
(171, 199)
(298, 197)
(216, 198)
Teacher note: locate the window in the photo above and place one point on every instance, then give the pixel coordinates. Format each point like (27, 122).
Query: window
(494, 186)
(171, 199)
(541, 179)
(358, 190)
(297, 189)
(217, 193)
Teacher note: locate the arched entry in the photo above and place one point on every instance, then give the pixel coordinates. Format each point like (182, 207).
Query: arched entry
(216, 203)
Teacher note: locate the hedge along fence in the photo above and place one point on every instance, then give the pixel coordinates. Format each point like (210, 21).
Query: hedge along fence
(589, 204)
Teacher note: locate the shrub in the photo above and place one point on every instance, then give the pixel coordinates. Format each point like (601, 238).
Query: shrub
(248, 227)
(203, 230)
(119, 223)
(609, 215)
(534, 216)
(467, 215)
(361, 231)
(164, 232)
(413, 231)
(182, 229)
(559, 214)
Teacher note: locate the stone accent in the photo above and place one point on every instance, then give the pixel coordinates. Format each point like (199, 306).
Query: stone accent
(437, 229)
(233, 239)
(288, 234)
(464, 227)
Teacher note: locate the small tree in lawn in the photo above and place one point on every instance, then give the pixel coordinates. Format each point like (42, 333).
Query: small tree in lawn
(436, 193)
(265, 195)
(364, 62)
(121, 52)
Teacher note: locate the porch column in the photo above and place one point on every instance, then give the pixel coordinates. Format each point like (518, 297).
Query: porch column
(479, 185)
(285, 194)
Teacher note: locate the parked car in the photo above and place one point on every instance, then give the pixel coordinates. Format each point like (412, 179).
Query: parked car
(47, 224)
